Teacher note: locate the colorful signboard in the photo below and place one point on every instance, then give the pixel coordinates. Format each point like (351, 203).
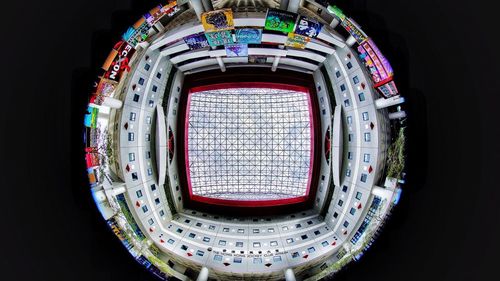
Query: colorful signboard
(91, 157)
(219, 38)
(375, 62)
(334, 10)
(196, 41)
(236, 50)
(93, 177)
(280, 20)
(248, 35)
(352, 27)
(90, 118)
(217, 20)
(387, 89)
(297, 41)
(137, 33)
(117, 61)
(105, 88)
(308, 27)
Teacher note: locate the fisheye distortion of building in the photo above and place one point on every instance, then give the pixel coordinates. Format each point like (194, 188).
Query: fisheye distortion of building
(245, 140)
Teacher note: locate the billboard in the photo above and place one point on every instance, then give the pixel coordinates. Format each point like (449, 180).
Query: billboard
(105, 88)
(155, 14)
(217, 20)
(196, 41)
(248, 35)
(90, 117)
(297, 41)
(117, 61)
(137, 33)
(236, 50)
(375, 61)
(387, 89)
(334, 10)
(219, 38)
(308, 27)
(352, 27)
(280, 20)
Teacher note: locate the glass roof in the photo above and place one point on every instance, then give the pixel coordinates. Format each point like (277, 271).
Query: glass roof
(249, 144)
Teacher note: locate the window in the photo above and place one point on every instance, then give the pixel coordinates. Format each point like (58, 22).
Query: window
(136, 97)
(154, 88)
(217, 258)
(179, 230)
(270, 230)
(344, 188)
(239, 244)
(256, 244)
(295, 254)
(350, 137)
(257, 260)
(132, 116)
(157, 201)
(131, 156)
(342, 87)
(187, 221)
(274, 243)
(298, 225)
(323, 111)
(337, 74)
(349, 65)
(158, 75)
(146, 67)
(237, 260)
(148, 137)
(141, 81)
(366, 157)
(358, 195)
(363, 177)
(309, 222)
(256, 231)
(148, 120)
(200, 253)
(148, 154)
(222, 242)
(150, 171)
(153, 187)
(162, 213)
(199, 224)
(335, 215)
(138, 193)
(277, 258)
(170, 241)
(352, 211)
(206, 239)
(289, 240)
(145, 208)
(317, 232)
(241, 230)
(340, 203)
(304, 237)
(311, 249)
(285, 228)
(192, 235)
(346, 224)
(184, 247)
(151, 103)
(134, 176)
(348, 172)
(349, 119)
(349, 155)
(225, 229)
(368, 137)
(355, 79)
(365, 116)
(361, 96)
(211, 227)
(347, 103)
(151, 221)
(130, 136)
(324, 243)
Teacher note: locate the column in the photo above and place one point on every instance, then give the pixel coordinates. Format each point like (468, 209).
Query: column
(203, 276)
(289, 275)
(350, 41)
(275, 63)
(221, 64)
(207, 4)
(198, 7)
(397, 115)
(284, 4)
(383, 103)
(293, 5)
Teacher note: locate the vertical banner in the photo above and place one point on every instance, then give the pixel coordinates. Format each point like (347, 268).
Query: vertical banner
(248, 35)
(280, 20)
(219, 38)
(236, 50)
(297, 41)
(217, 20)
(308, 27)
(196, 41)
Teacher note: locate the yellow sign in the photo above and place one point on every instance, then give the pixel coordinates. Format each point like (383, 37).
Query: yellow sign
(297, 41)
(218, 20)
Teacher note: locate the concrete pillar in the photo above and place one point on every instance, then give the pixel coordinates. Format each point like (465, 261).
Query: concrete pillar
(350, 41)
(284, 4)
(221, 64)
(334, 22)
(112, 102)
(198, 7)
(397, 115)
(383, 103)
(293, 5)
(207, 4)
(203, 276)
(275, 63)
(159, 26)
(289, 275)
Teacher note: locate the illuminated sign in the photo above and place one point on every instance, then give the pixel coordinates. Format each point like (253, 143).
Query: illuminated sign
(219, 38)
(218, 20)
(354, 30)
(236, 50)
(280, 20)
(117, 61)
(297, 41)
(308, 27)
(196, 41)
(248, 35)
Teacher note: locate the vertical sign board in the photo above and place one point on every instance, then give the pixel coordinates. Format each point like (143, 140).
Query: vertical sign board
(217, 20)
(308, 27)
(219, 38)
(280, 20)
(248, 35)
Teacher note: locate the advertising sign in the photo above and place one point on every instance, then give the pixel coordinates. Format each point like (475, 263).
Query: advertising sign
(137, 33)
(91, 157)
(297, 41)
(117, 61)
(334, 10)
(280, 20)
(248, 35)
(90, 118)
(375, 61)
(217, 20)
(92, 175)
(356, 32)
(196, 41)
(236, 50)
(155, 14)
(219, 38)
(308, 27)
(388, 89)
(105, 88)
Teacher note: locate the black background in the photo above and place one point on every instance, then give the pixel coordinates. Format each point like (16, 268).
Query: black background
(446, 62)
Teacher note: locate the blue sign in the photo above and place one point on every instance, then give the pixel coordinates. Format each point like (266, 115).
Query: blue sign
(248, 35)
